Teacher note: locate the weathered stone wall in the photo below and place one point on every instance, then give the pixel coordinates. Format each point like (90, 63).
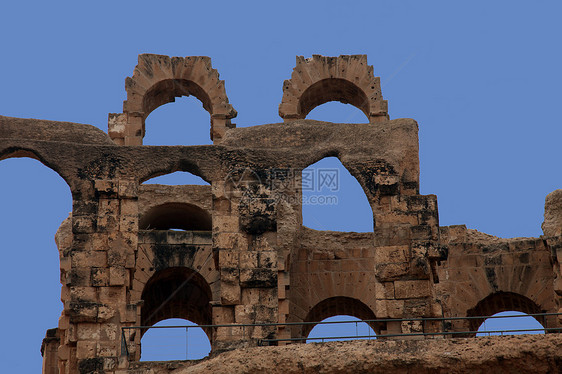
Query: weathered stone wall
(484, 275)
(242, 255)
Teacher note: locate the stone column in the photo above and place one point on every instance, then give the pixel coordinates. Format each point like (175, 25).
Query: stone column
(244, 227)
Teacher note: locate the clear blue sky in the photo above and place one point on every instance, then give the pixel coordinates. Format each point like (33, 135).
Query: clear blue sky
(481, 78)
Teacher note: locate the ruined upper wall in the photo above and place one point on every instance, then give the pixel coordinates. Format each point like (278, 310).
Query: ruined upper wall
(552, 225)
(54, 131)
(373, 154)
(158, 80)
(347, 79)
(517, 271)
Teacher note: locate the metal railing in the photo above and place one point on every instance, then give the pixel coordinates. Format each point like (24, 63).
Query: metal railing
(444, 329)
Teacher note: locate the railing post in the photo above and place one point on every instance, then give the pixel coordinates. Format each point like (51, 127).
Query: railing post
(124, 345)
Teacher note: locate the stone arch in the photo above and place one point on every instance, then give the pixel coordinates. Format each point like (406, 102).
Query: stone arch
(320, 79)
(177, 292)
(339, 305)
(176, 216)
(169, 167)
(502, 302)
(164, 249)
(158, 80)
(21, 152)
(34, 196)
(341, 176)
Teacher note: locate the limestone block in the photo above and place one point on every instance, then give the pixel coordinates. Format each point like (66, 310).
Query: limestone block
(265, 314)
(131, 314)
(128, 189)
(389, 308)
(85, 349)
(105, 313)
(89, 258)
(83, 294)
(394, 217)
(112, 295)
(118, 276)
(267, 259)
(82, 311)
(249, 259)
(116, 256)
(552, 225)
(411, 289)
(421, 232)
(225, 223)
(106, 187)
(79, 277)
(202, 238)
(107, 222)
(250, 296)
(392, 254)
(228, 259)
(244, 314)
(284, 307)
(230, 294)
(387, 272)
(116, 123)
(230, 241)
(88, 331)
(230, 275)
(128, 223)
(110, 332)
(129, 207)
(100, 277)
(99, 241)
(82, 224)
(258, 278)
(223, 315)
(384, 290)
(179, 237)
(267, 297)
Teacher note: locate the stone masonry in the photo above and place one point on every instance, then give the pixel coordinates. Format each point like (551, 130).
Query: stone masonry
(236, 251)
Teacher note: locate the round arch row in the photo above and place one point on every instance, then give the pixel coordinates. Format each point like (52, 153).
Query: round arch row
(158, 80)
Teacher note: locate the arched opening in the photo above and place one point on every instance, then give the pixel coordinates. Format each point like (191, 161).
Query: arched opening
(175, 343)
(337, 112)
(340, 308)
(183, 122)
(500, 302)
(332, 199)
(165, 91)
(333, 89)
(34, 200)
(510, 323)
(176, 216)
(176, 292)
(341, 329)
(177, 178)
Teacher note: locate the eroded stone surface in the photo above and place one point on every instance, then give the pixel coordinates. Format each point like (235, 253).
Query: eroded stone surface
(243, 256)
(500, 354)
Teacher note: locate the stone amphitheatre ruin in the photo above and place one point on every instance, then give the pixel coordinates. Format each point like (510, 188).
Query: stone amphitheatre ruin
(243, 255)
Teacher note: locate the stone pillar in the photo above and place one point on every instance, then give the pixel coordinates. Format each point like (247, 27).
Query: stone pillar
(49, 349)
(552, 229)
(96, 273)
(407, 248)
(243, 228)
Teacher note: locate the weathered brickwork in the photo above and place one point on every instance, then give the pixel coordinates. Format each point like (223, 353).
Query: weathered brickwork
(235, 251)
